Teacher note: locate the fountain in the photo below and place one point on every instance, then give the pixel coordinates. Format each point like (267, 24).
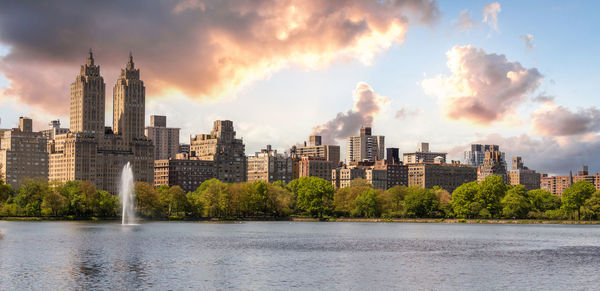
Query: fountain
(126, 193)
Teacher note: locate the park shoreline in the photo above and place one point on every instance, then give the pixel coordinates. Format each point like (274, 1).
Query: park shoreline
(311, 219)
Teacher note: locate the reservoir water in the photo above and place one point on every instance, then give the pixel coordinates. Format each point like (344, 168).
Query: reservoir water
(297, 255)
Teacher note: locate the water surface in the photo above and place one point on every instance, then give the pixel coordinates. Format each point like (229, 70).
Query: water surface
(298, 255)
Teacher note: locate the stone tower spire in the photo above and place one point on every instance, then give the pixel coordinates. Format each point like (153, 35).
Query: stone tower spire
(87, 100)
(129, 101)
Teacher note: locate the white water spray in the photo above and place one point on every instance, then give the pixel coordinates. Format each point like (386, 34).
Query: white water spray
(126, 193)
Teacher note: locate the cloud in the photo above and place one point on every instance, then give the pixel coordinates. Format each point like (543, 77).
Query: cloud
(201, 49)
(483, 88)
(553, 120)
(464, 21)
(545, 155)
(406, 112)
(528, 40)
(367, 104)
(542, 98)
(490, 14)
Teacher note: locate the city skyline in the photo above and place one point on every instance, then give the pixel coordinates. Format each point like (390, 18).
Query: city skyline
(402, 78)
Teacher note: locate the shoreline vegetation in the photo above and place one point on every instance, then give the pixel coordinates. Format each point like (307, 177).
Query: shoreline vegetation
(306, 199)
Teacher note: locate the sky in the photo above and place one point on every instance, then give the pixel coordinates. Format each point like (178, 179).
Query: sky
(520, 74)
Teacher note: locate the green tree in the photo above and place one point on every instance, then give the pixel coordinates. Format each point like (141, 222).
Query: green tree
(344, 198)
(173, 199)
(215, 197)
(421, 203)
(366, 204)
(280, 200)
(491, 191)
(515, 203)
(463, 198)
(107, 205)
(395, 196)
(444, 198)
(574, 197)
(53, 203)
(147, 201)
(30, 196)
(542, 200)
(315, 195)
(592, 205)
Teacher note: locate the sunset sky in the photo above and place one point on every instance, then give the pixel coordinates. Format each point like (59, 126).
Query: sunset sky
(521, 74)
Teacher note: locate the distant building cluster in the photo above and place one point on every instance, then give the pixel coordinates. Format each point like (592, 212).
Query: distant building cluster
(88, 150)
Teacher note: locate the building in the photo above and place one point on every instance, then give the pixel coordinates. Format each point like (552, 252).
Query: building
(53, 130)
(89, 151)
(185, 173)
(165, 139)
(557, 184)
(392, 156)
(224, 149)
(310, 166)
(423, 155)
(397, 175)
(22, 154)
(493, 164)
(184, 148)
(270, 166)
(342, 177)
(475, 156)
(446, 176)
(315, 149)
(521, 175)
(365, 147)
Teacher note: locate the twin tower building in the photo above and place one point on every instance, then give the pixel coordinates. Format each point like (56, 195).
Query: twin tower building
(90, 151)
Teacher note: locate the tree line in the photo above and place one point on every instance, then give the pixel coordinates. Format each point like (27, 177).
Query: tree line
(307, 196)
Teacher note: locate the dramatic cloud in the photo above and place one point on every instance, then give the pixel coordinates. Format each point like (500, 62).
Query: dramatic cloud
(553, 120)
(367, 104)
(490, 14)
(464, 21)
(195, 48)
(406, 112)
(528, 40)
(545, 155)
(542, 98)
(483, 88)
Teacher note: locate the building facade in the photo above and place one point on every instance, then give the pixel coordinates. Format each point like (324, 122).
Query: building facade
(392, 156)
(342, 177)
(185, 173)
(424, 155)
(53, 130)
(165, 139)
(521, 175)
(269, 166)
(493, 164)
(314, 167)
(23, 154)
(365, 147)
(224, 149)
(446, 176)
(316, 149)
(95, 153)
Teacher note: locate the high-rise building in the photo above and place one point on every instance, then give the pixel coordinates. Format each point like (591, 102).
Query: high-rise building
(184, 148)
(269, 166)
(423, 155)
(493, 164)
(53, 130)
(557, 184)
(185, 173)
(342, 177)
(392, 156)
(475, 156)
(224, 149)
(92, 152)
(22, 154)
(521, 175)
(365, 147)
(314, 148)
(165, 139)
(310, 166)
(446, 176)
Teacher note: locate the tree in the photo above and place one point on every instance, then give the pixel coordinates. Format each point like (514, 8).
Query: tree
(53, 203)
(444, 198)
(515, 203)
(6, 191)
(593, 205)
(215, 197)
(491, 191)
(280, 200)
(30, 196)
(344, 199)
(366, 204)
(574, 197)
(173, 199)
(395, 196)
(462, 199)
(542, 200)
(107, 205)
(421, 203)
(315, 195)
(147, 201)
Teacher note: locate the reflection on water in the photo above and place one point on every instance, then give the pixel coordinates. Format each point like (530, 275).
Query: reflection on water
(294, 255)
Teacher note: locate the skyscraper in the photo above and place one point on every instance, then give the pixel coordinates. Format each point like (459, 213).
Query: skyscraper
(165, 139)
(423, 155)
(129, 103)
(493, 164)
(365, 147)
(92, 152)
(316, 149)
